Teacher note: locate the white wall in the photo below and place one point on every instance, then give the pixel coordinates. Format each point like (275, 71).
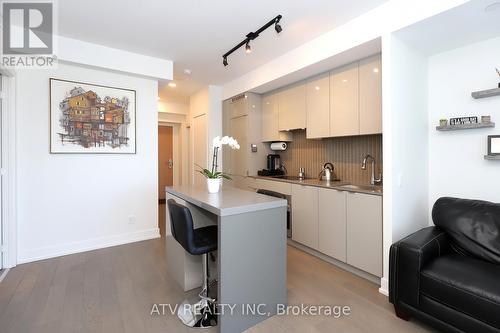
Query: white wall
(405, 124)
(456, 163)
(79, 52)
(173, 107)
(205, 118)
(75, 202)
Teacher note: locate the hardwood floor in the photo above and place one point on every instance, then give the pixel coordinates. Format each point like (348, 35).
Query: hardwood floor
(113, 290)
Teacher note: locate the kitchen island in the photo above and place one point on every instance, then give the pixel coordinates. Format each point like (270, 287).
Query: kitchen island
(251, 251)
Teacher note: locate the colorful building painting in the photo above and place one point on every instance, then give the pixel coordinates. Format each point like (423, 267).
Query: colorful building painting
(90, 121)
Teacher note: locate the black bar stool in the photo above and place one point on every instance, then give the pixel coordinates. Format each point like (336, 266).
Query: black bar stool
(200, 241)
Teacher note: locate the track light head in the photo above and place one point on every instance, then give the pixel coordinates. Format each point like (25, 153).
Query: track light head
(224, 61)
(277, 27)
(248, 48)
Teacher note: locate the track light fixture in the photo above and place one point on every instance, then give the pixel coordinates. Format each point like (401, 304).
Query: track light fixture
(251, 36)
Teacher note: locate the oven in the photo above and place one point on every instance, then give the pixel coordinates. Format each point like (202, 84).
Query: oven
(288, 199)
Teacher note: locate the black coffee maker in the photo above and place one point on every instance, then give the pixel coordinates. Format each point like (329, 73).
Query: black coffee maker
(274, 167)
(273, 162)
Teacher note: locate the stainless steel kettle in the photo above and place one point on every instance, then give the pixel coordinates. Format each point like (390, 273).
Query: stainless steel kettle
(327, 172)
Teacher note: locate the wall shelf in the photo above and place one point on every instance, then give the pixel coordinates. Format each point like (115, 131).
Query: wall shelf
(486, 93)
(492, 157)
(464, 126)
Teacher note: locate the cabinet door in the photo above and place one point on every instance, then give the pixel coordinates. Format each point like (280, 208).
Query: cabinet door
(364, 232)
(292, 107)
(332, 223)
(270, 116)
(370, 95)
(238, 106)
(318, 107)
(344, 113)
(238, 158)
(305, 215)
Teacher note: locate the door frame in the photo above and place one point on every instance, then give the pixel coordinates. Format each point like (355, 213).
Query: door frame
(177, 164)
(8, 171)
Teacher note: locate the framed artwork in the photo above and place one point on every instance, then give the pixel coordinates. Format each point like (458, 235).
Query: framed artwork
(493, 145)
(91, 119)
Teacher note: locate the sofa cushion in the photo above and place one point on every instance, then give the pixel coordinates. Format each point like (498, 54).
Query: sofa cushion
(466, 284)
(472, 225)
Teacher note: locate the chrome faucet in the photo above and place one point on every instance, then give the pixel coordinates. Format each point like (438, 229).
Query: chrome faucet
(373, 180)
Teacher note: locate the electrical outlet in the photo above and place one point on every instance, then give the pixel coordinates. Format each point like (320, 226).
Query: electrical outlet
(131, 219)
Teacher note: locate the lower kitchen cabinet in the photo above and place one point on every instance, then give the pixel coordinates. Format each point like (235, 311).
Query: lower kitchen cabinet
(332, 222)
(364, 232)
(305, 215)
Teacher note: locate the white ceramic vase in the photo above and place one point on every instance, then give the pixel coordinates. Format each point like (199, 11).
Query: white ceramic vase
(213, 185)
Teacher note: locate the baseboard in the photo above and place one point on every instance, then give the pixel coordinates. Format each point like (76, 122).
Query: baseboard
(87, 245)
(384, 287)
(333, 261)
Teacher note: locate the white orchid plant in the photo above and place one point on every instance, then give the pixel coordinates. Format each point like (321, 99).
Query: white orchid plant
(217, 144)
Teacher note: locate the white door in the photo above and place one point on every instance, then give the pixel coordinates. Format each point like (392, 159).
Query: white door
(200, 156)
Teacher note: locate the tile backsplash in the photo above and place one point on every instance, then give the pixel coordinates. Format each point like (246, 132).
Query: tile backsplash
(346, 154)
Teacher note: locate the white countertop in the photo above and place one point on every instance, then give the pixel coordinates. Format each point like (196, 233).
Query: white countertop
(229, 201)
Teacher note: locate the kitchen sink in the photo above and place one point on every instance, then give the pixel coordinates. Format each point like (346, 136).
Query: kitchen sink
(290, 178)
(368, 188)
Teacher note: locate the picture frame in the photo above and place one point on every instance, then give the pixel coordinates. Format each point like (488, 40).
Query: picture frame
(88, 118)
(494, 145)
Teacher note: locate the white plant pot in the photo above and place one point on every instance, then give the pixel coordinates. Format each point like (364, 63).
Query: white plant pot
(213, 185)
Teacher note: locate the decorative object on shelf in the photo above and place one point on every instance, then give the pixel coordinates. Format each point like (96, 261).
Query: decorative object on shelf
(90, 118)
(463, 121)
(213, 176)
(485, 119)
(443, 122)
(465, 126)
(494, 145)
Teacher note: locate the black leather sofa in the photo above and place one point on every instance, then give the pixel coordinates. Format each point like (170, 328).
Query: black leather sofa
(449, 275)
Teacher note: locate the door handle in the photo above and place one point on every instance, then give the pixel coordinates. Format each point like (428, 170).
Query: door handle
(170, 163)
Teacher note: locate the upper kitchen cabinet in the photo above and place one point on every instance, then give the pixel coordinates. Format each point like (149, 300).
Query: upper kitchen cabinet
(370, 95)
(318, 106)
(242, 119)
(270, 120)
(344, 101)
(292, 107)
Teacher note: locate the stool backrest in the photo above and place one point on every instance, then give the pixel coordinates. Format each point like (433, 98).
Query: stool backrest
(181, 224)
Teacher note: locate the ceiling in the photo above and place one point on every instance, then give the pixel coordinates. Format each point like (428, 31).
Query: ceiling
(471, 22)
(195, 34)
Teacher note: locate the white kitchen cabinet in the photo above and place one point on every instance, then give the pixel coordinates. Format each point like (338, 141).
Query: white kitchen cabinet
(292, 107)
(344, 106)
(332, 223)
(305, 215)
(318, 107)
(273, 185)
(364, 232)
(239, 164)
(242, 120)
(370, 95)
(270, 120)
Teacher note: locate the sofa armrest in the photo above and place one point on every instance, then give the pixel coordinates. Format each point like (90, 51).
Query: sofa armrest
(408, 257)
